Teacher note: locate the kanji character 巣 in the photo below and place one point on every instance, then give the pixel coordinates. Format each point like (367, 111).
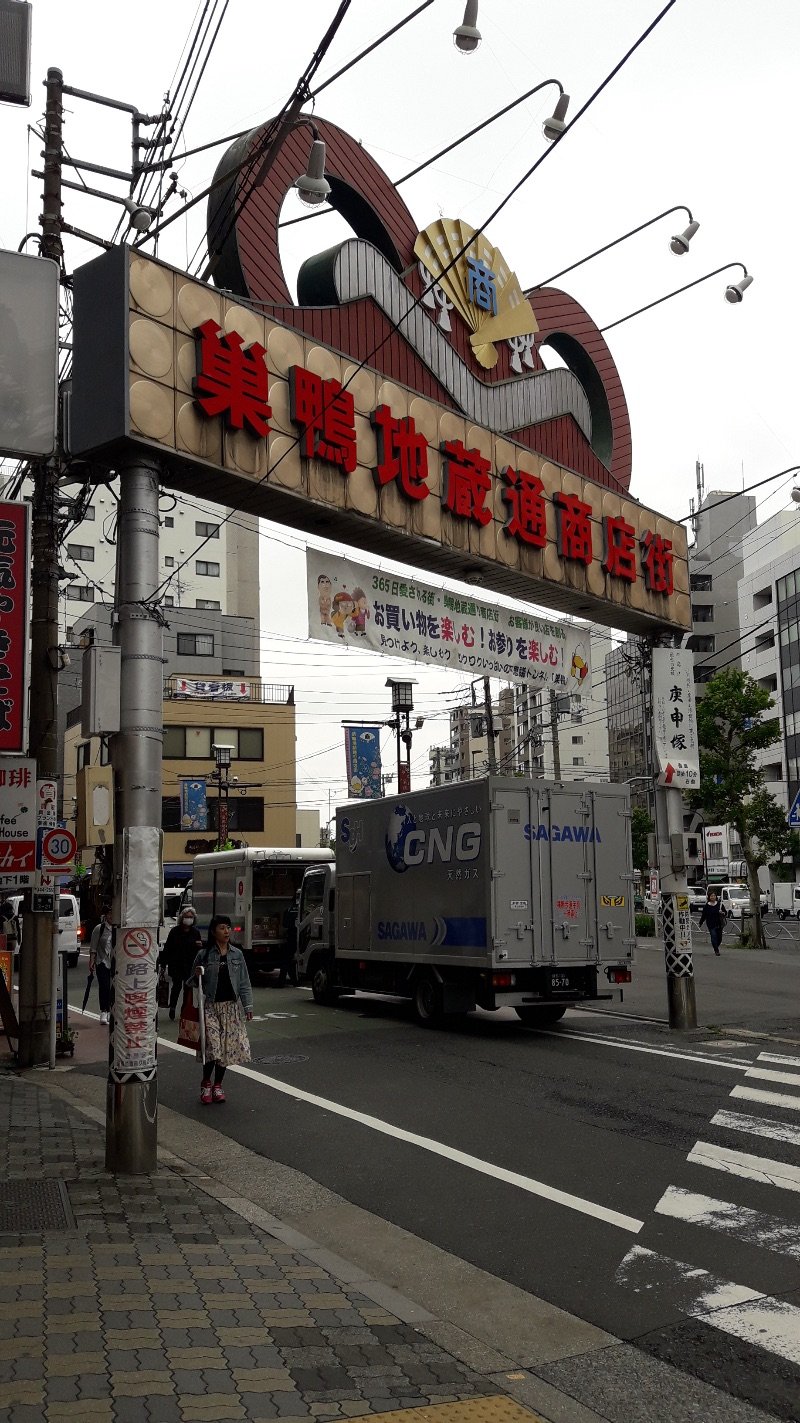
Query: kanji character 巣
(231, 380)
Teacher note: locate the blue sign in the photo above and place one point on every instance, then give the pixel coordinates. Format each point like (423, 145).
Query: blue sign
(793, 818)
(363, 754)
(194, 808)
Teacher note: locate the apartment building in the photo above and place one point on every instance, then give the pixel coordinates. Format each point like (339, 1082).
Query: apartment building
(722, 522)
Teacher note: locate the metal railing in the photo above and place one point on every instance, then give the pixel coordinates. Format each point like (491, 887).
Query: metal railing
(223, 689)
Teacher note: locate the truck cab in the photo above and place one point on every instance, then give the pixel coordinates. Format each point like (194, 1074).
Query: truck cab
(316, 928)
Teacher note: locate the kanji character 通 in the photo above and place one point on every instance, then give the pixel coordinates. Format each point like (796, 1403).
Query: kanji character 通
(527, 514)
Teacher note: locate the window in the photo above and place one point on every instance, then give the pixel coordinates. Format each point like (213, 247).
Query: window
(714, 850)
(80, 593)
(169, 562)
(83, 552)
(90, 515)
(704, 674)
(577, 740)
(169, 522)
(105, 752)
(169, 601)
(210, 603)
(206, 570)
(701, 582)
(198, 743)
(702, 642)
(702, 612)
(206, 531)
(578, 761)
(244, 813)
(174, 748)
(251, 743)
(195, 644)
(84, 751)
(170, 812)
(227, 736)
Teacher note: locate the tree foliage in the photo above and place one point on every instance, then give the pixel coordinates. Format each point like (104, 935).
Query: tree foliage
(641, 827)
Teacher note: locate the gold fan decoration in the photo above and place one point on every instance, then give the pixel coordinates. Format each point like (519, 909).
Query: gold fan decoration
(483, 291)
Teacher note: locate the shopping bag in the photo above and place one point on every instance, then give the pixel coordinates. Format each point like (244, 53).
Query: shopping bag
(189, 1026)
(162, 991)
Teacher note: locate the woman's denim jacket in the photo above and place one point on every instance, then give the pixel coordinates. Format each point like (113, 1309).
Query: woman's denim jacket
(237, 968)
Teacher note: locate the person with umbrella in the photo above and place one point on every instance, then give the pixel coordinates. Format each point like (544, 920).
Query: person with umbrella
(179, 953)
(226, 1006)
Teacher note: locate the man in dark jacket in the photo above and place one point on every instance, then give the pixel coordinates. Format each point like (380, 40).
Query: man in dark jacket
(178, 954)
(714, 916)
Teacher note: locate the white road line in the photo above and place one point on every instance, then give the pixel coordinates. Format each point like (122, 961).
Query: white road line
(765, 1074)
(629, 1046)
(741, 1163)
(768, 1232)
(772, 1099)
(437, 1148)
(768, 1323)
(757, 1126)
(780, 1060)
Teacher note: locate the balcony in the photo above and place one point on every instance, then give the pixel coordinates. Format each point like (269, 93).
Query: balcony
(227, 689)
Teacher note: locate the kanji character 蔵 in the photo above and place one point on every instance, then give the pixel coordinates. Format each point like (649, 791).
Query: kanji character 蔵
(402, 453)
(527, 514)
(657, 563)
(325, 413)
(573, 527)
(466, 482)
(232, 380)
(619, 557)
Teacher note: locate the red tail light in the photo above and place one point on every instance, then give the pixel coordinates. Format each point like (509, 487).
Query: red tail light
(619, 975)
(238, 928)
(503, 980)
(81, 933)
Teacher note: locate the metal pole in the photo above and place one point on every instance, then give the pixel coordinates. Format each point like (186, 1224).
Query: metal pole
(132, 1093)
(554, 733)
(487, 702)
(36, 989)
(675, 918)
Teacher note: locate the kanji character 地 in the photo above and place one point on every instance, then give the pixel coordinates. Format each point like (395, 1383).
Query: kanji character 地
(402, 453)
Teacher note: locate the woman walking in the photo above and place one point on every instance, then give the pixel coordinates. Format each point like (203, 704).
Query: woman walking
(713, 915)
(100, 960)
(227, 1005)
(179, 953)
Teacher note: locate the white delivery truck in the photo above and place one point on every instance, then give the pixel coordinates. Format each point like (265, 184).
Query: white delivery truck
(786, 900)
(491, 893)
(257, 889)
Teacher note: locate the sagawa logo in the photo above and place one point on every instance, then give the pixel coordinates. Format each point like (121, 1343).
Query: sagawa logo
(577, 834)
(406, 845)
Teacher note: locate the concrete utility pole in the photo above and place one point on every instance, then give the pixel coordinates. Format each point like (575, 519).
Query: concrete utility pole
(132, 1093)
(487, 702)
(36, 963)
(554, 733)
(675, 919)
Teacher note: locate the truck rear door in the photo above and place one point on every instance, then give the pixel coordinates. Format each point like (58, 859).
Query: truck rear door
(567, 817)
(511, 888)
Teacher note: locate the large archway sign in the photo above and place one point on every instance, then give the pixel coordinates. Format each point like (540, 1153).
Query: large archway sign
(401, 408)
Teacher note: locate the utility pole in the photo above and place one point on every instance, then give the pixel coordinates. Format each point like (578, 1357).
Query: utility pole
(132, 1092)
(675, 916)
(36, 963)
(487, 702)
(554, 734)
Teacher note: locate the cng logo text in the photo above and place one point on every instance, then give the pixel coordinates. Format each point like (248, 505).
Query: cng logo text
(406, 845)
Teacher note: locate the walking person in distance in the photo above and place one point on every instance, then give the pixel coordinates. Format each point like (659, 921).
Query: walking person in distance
(100, 960)
(179, 953)
(713, 916)
(227, 1003)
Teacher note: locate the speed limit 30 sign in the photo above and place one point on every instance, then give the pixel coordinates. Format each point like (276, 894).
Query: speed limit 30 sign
(55, 849)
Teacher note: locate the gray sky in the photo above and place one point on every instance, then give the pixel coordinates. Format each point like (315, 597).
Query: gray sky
(703, 114)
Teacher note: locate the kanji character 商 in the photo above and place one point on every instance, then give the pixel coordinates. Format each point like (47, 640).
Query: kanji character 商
(402, 453)
(657, 563)
(481, 289)
(325, 414)
(527, 515)
(230, 380)
(573, 527)
(466, 482)
(619, 559)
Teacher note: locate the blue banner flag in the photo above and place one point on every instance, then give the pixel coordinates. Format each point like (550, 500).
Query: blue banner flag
(194, 808)
(363, 755)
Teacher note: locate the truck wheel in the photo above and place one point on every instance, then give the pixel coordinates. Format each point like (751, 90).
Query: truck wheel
(322, 987)
(427, 1001)
(541, 1017)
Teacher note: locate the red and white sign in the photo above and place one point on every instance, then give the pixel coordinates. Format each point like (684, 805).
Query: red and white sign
(47, 804)
(655, 886)
(58, 849)
(134, 1003)
(17, 820)
(222, 691)
(14, 617)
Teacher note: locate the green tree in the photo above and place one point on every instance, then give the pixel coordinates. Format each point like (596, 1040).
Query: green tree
(732, 727)
(641, 827)
(784, 870)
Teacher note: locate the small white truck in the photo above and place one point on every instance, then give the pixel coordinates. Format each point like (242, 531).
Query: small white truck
(498, 892)
(786, 900)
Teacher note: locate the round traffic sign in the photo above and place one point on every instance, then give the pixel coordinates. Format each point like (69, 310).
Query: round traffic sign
(58, 848)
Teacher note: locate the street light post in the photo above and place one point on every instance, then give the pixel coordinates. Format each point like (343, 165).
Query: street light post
(222, 756)
(402, 706)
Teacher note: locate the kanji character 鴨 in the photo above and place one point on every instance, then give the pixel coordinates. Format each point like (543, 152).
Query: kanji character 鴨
(527, 514)
(325, 414)
(657, 563)
(573, 527)
(402, 453)
(466, 482)
(231, 380)
(619, 557)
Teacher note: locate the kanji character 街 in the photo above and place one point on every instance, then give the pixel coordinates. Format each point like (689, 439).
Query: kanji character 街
(619, 558)
(466, 482)
(325, 413)
(657, 563)
(527, 514)
(573, 527)
(402, 453)
(231, 380)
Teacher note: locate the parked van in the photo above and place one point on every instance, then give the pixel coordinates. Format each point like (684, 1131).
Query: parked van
(69, 925)
(786, 900)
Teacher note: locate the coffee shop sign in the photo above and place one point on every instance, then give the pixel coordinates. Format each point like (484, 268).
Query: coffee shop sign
(232, 381)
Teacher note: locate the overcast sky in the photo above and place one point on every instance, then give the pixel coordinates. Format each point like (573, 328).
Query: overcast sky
(704, 114)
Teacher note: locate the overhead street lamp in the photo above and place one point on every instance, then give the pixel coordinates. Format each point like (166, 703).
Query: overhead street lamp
(678, 244)
(733, 293)
(402, 706)
(222, 757)
(313, 187)
(467, 36)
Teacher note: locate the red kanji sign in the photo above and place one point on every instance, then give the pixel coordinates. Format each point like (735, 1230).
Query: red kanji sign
(14, 571)
(573, 527)
(619, 559)
(657, 563)
(467, 481)
(231, 380)
(527, 514)
(325, 414)
(402, 453)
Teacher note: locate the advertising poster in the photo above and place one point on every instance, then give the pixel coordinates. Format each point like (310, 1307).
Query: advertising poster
(677, 751)
(14, 620)
(17, 822)
(352, 605)
(363, 757)
(194, 806)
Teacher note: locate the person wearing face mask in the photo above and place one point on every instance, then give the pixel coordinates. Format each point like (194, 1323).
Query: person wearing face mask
(227, 1006)
(179, 952)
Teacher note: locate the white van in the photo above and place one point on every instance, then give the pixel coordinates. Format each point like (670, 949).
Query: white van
(734, 898)
(69, 925)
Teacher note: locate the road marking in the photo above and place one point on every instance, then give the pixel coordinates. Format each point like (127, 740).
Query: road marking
(436, 1148)
(781, 1061)
(768, 1232)
(768, 1323)
(733, 1065)
(741, 1163)
(772, 1099)
(757, 1126)
(765, 1074)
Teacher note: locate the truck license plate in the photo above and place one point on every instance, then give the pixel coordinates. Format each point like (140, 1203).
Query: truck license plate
(560, 980)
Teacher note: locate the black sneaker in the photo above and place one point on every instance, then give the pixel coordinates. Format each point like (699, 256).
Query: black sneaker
(172, 1013)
